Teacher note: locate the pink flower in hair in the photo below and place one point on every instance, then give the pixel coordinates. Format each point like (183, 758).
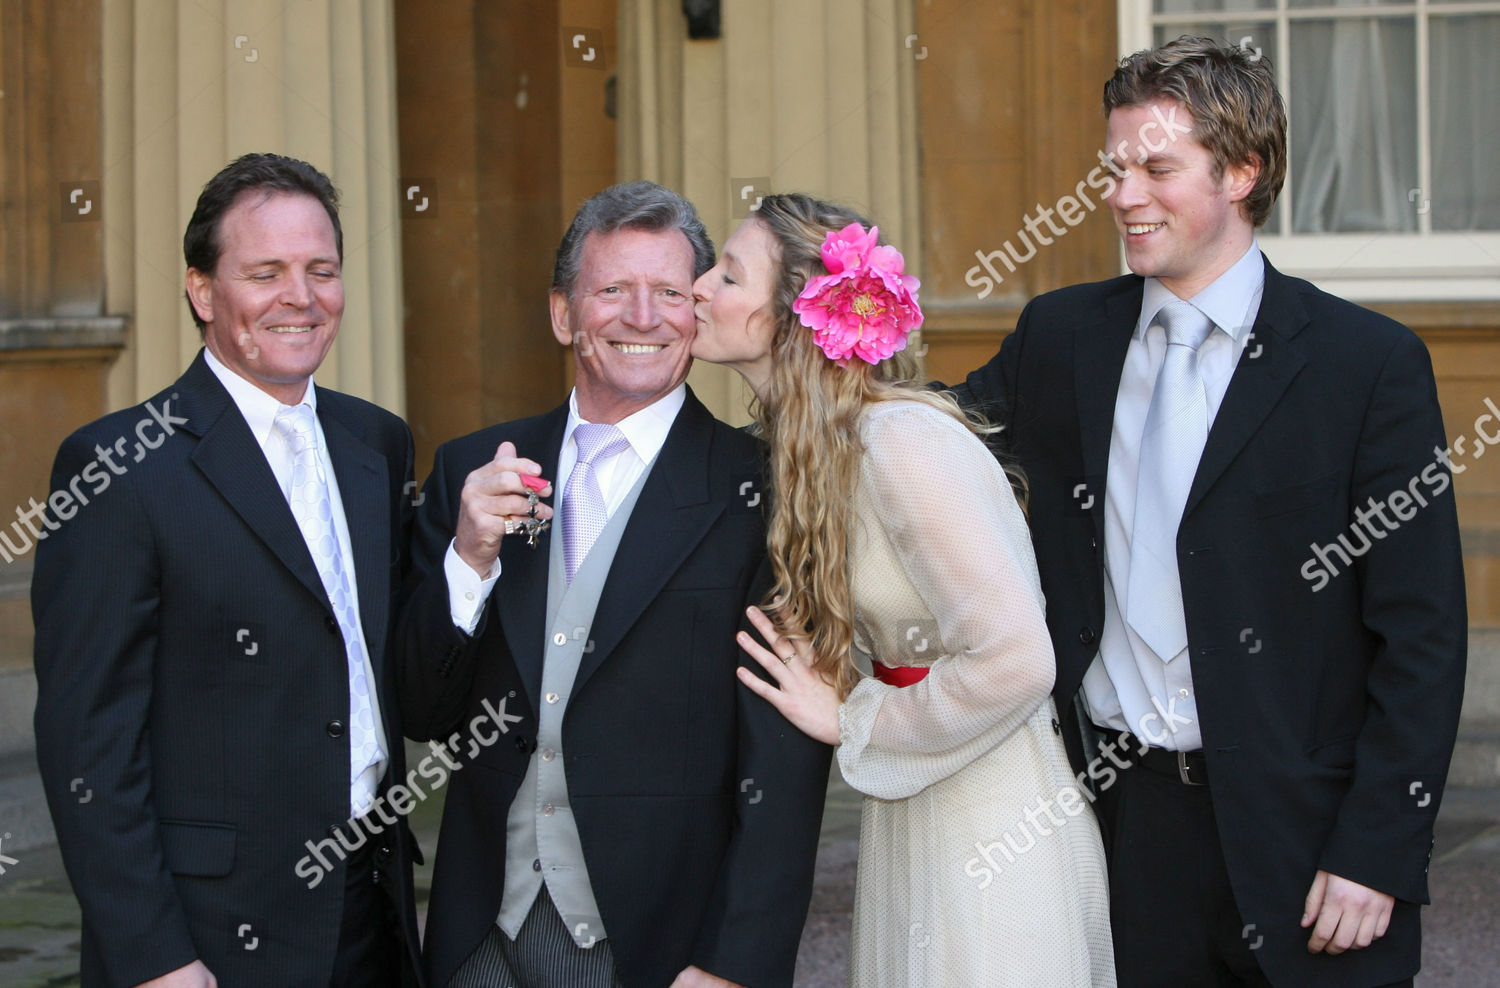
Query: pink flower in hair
(866, 305)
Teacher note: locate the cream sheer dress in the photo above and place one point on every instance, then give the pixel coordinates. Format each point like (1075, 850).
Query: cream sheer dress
(957, 884)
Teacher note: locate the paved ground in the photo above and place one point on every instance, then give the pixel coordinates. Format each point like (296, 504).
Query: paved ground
(39, 918)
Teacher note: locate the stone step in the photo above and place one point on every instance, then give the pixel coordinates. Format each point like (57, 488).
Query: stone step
(1479, 532)
(1476, 756)
(17, 703)
(25, 822)
(1481, 548)
(17, 681)
(1482, 684)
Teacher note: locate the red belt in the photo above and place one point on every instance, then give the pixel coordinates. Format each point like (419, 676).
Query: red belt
(899, 675)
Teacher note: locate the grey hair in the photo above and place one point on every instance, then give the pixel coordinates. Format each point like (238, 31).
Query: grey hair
(630, 206)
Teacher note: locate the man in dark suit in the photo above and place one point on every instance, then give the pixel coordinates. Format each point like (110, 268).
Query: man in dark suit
(648, 822)
(1267, 681)
(214, 697)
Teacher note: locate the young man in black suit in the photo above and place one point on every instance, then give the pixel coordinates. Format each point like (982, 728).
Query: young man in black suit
(649, 821)
(1267, 683)
(212, 606)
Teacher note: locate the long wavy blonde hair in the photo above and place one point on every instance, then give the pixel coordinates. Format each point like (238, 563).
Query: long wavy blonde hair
(809, 413)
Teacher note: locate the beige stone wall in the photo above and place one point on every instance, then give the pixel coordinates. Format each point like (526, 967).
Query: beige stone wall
(806, 97)
(190, 84)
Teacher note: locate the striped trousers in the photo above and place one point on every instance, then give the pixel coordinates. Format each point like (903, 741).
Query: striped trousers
(543, 955)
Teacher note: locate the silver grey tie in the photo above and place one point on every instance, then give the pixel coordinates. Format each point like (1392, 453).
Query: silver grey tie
(313, 510)
(1171, 446)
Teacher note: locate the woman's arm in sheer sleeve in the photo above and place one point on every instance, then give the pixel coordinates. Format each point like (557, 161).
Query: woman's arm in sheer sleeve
(962, 541)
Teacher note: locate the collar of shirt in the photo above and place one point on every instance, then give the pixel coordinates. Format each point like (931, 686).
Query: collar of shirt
(258, 408)
(646, 430)
(1231, 300)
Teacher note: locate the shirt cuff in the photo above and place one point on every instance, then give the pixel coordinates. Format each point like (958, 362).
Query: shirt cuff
(466, 591)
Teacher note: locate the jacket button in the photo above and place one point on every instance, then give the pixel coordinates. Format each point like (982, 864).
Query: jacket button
(524, 745)
(335, 728)
(330, 624)
(1086, 635)
(333, 830)
(1056, 727)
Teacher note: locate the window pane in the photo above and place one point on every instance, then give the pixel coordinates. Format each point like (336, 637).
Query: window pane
(1209, 6)
(1260, 34)
(1294, 4)
(1248, 34)
(1465, 80)
(1352, 104)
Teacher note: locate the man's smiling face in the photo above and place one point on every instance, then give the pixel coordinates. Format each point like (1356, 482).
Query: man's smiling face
(629, 320)
(274, 299)
(1182, 220)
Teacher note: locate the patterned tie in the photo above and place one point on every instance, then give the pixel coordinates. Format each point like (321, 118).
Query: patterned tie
(311, 507)
(583, 513)
(1172, 445)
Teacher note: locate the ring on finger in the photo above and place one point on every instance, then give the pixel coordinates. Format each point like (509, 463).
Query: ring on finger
(510, 525)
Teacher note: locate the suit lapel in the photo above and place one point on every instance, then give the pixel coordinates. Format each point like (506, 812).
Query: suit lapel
(228, 455)
(1099, 346)
(1260, 378)
(364, 491)
(671, 517)
(521, 596)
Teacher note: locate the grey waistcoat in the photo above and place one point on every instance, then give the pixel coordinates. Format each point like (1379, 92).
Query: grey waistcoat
(541, 834)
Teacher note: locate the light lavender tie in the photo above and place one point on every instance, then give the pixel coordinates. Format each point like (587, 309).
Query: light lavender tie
(314, 513)
(583, 512)
(1171, 446)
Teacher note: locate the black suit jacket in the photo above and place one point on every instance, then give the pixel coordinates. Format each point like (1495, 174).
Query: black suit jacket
(1328, 708)
(697, 804)
(188, 668)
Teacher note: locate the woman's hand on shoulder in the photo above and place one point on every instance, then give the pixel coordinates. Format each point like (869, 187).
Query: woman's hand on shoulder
(801, 693)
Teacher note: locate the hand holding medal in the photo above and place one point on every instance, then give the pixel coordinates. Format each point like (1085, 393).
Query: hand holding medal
(500, 498)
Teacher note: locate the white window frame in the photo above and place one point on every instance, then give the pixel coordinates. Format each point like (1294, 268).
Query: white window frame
(1426, 266)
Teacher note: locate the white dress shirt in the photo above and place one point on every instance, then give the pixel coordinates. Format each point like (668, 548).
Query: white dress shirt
(259, 410)
(1127, 686)
(646, 430)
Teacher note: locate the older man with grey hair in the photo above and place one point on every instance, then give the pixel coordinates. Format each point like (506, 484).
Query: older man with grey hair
(646, 822)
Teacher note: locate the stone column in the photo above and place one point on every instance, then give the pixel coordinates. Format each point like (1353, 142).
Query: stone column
(815, 97)
(191, 84)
